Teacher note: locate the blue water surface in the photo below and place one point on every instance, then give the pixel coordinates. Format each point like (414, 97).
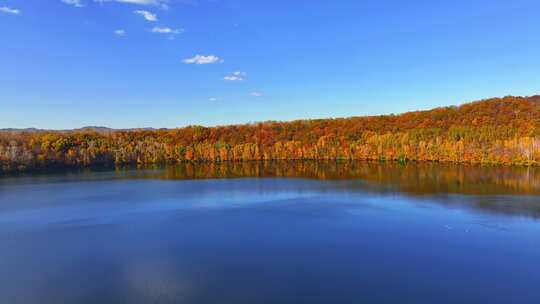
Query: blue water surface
(132, 237)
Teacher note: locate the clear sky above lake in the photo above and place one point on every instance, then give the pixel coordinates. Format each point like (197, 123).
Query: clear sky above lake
(159, 63)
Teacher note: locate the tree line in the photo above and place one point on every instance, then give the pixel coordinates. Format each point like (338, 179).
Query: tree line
(493, 131)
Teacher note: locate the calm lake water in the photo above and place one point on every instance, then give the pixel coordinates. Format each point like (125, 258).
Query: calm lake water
(284, 232)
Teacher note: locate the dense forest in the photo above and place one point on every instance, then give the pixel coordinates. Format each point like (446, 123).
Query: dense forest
(493, 131)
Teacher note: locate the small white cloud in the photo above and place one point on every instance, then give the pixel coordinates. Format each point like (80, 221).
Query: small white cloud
(120, 33)
(166, 30)
(147, 15)
(200, 59)
(213, 99)
(256, 94)
(236, 76)
(160, 3)
(7, 10)
(75, 3)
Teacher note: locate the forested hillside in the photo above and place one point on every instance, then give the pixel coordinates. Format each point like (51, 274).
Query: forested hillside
(494, 131)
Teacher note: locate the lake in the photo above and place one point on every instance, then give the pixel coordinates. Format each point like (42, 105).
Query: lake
(280, 232)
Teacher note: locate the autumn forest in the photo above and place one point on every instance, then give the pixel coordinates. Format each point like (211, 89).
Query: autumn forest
(502, 131)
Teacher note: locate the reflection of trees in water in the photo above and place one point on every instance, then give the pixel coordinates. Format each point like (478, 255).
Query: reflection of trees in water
(508, 190)
(415, 178)
(500, 190)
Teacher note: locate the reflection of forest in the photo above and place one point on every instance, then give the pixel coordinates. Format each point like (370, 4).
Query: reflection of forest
(499, 190)
(414, 178)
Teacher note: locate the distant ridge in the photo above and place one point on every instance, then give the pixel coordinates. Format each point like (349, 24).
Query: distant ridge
(98, 129)
(21, 130)
(465, 114)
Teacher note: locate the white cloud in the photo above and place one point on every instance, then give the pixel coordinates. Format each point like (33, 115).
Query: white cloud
(147, 15)
(200, 59)
(7, 10)
(143, 2)
(120, 32)
(161, 3)
(236, 76)
(166, 30)
(256, 94)
(213, 99)
(75, 3)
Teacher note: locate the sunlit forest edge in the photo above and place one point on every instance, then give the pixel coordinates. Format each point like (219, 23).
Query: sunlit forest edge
(498, 131)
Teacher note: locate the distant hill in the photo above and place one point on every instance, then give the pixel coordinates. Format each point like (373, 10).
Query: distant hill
(20, 130)
(510, 110)
(97, 129)
(492, 131)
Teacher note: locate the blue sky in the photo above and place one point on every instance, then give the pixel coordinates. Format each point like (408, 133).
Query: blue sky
(158, 63)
